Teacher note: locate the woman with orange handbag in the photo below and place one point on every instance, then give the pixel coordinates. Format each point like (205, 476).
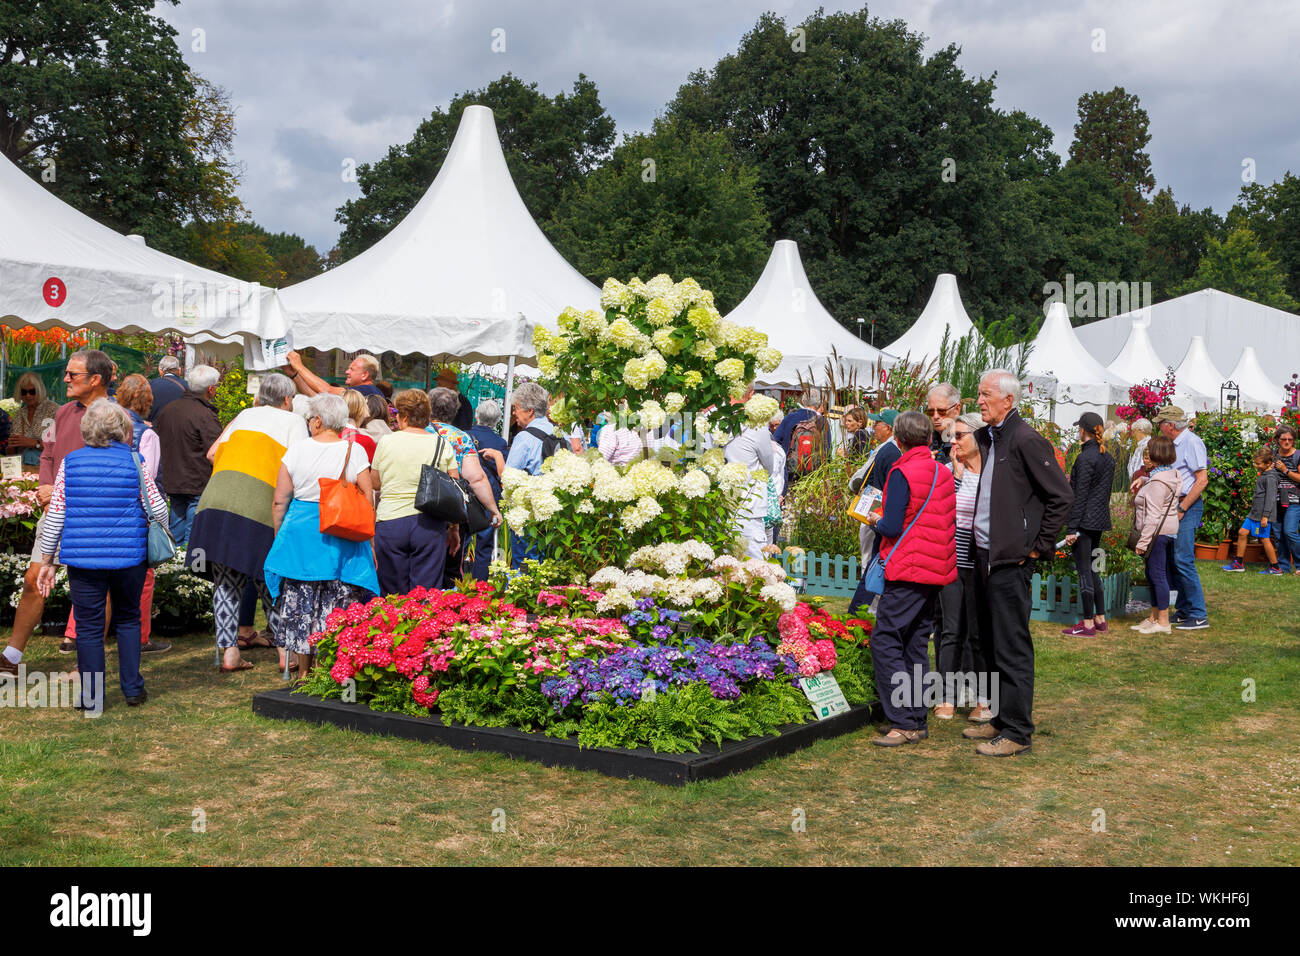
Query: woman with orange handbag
(322, 557)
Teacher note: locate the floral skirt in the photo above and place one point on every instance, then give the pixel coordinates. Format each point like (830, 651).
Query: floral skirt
(304, 605)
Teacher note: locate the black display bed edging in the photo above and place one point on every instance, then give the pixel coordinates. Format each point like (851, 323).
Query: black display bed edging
(676, 769)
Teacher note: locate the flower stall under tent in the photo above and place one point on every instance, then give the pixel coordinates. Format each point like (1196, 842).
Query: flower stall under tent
(784, 306)
(61, 269)
(465, 276)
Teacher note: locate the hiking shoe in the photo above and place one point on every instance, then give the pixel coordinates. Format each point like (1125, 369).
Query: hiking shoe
(1235, 566)
(155, 647)
(1079, 630)
(982, 732)
(1193, 624)
(1271, 571)
(897, 737)
(1002, 747)
(7, 666)
(945, 711)
(980, 714)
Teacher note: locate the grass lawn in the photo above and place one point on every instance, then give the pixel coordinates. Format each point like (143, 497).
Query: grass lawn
(1151, 731)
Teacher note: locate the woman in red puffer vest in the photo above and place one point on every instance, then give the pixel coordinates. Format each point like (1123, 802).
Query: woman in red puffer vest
(918, 527)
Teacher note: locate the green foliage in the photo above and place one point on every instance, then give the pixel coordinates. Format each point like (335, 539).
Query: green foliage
(1241, 266)
(102, 89)
(395, 697)
(1113, 130)
(232, 393)
(853, 672)
(963, 362)
(1273, 213)
(681, 719)
(1230, 444)
(818, 504)
(525, 708)
(699, 215)
(550, 144)
(1176, 240)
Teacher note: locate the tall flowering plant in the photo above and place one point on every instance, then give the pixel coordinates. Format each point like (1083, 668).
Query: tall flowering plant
(1146, 398)
(658, 349)
(19, 512)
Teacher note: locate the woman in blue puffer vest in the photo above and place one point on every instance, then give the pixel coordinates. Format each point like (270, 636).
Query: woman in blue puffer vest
(96, 525)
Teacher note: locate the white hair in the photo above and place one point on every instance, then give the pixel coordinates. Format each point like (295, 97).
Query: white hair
(331, 409)
(488, 414)
(1141, 425)
(948, 391)
(169, 363)
(274, 389)
(1005, 381)
(106, 421)
(201, 378)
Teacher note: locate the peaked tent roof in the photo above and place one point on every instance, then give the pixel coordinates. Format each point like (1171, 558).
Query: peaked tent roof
(1080, 378)
(1256, 387)
(466, 274)
(1227, 322)
(60, 268)
(923, 340)
(1196, 380)
(782, 304)
(1137, 360)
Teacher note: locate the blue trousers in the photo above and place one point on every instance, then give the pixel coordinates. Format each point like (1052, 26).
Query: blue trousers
(900, 651)
(1285, 532)
(1160, 557)
(182, 509)
(410, 552)
(521, 549)
(89, 590)
(1191, 599)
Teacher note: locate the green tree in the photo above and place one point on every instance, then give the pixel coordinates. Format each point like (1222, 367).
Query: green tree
(101, 89)
(1175, 240)
(886, 166)
(550, 143)
(1240, 265)
(1273, 213)
(695, 212)
(1113, 130)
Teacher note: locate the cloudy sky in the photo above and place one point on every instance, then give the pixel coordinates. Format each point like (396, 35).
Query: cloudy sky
(320, 82)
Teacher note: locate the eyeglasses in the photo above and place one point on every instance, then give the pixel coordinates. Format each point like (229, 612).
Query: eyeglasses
(940, 411)
(26, 391)
(75, 375)
(959, 434)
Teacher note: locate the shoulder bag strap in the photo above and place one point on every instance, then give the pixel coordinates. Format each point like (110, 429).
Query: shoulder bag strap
(437, 453)
(934, 480)
(343, 475)
(144, 497)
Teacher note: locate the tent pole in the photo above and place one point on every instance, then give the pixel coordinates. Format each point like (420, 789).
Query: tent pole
(4, 360)
(510, 387)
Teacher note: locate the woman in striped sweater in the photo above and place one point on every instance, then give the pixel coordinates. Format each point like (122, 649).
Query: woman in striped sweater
(233, 530)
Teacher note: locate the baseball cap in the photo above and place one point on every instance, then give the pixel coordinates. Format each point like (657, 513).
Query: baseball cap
(1090, 421)
(886, 415)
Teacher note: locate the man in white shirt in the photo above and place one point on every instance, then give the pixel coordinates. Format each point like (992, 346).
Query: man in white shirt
(753, 449)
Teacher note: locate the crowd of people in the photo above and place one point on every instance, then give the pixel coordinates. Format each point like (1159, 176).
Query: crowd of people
(242, 503)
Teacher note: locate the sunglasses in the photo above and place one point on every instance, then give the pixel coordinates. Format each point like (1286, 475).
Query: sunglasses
(940, 411)
(959, 434)
(75, 375)
(26, 391)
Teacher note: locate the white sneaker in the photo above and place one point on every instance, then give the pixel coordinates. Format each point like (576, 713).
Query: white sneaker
(1140, 625)
(1152, 627)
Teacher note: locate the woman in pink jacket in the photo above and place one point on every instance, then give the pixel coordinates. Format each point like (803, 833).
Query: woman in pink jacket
(1155, 512)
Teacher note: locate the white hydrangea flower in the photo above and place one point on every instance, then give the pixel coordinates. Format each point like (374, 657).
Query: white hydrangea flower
(782, 595)
(704, 349)
(697, 550)
(694, 484)
(651, 478)
(611, 576)
(614, 295)
(625, 335)
(585, 507)
(637, 289)
(692, 379)
(615, 598)
(713, 459)
(663, 341)
(545, 506)
(732, 369)
(760, 409)
(592, 324)
(733, 477)
(660, 312)
(517, 517)
(688, 291)
(706, 590)
(651, 414)
(767, 359)
(673, 402)
(661, 286)
(765, 571)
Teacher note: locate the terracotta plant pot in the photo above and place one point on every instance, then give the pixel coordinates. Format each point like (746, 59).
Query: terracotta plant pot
(1221, 554)
(1254, 553)
(1212, 552)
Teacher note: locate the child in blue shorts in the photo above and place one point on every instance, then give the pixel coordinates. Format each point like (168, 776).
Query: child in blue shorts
(1263, 507)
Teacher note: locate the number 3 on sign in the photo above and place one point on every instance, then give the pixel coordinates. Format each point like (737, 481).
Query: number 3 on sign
(54, 292)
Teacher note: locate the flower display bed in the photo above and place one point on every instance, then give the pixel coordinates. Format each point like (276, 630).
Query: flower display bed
(1056, 599)
(676, 769)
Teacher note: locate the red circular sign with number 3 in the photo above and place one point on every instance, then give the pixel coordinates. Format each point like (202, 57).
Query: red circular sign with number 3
(54, 291)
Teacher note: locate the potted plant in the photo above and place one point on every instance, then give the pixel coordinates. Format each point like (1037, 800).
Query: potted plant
(182, 601)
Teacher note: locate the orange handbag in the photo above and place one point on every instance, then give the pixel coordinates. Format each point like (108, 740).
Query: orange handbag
(344, 511)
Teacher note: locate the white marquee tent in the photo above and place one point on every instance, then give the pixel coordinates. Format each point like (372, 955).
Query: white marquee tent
(1082, 383)
(1196, 380)
(783, 305)
(465, 275)
(1137, 360)
(60, 268)
(1226, 322)
(1255, 385)
(922, 341)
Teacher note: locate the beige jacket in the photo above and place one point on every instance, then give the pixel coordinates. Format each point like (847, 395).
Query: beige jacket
(1150, 505)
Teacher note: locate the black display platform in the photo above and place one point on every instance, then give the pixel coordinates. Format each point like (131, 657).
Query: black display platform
(676, 769)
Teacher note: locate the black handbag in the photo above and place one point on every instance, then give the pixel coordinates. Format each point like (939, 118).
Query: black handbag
(440, 496)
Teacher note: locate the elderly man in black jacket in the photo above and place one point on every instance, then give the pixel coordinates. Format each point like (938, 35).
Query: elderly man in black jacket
(1022, 503)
